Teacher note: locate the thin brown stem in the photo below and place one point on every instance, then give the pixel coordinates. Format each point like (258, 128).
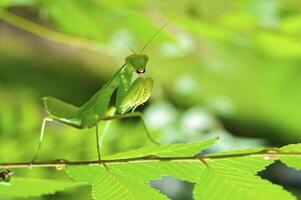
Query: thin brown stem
(265, 154)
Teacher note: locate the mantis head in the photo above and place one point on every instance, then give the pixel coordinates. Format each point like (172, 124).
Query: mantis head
(138, 62)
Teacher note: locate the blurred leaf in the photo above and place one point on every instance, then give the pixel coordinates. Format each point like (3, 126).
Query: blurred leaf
(239, 21)
(203, 29)
(291, 25)
(146, 28)
(81, 18)
(278, 46)
(8, 3)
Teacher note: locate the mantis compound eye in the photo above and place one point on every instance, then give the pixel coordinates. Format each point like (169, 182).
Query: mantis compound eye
(140, 71)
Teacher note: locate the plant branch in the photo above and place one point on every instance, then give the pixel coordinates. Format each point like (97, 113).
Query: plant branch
(52, 35)
(265, 154)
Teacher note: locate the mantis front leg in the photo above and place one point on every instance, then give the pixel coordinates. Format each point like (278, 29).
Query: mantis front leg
(99, 140)
(45, 120)
(130, 115)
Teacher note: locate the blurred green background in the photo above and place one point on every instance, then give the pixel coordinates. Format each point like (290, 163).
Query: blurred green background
(226, 68)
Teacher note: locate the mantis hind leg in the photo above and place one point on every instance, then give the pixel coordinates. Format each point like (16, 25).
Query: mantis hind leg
(45, 120)
(130, 115)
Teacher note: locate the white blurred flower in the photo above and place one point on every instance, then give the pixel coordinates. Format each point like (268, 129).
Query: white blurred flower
(160, 115)
(196, 120)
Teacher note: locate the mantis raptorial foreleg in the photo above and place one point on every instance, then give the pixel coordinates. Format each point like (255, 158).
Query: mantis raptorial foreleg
(107, 120)
(45, 120)
(130, 115)
(99, 140)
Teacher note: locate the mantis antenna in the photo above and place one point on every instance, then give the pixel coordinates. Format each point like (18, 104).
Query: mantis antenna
(162, 27)
(127, 44)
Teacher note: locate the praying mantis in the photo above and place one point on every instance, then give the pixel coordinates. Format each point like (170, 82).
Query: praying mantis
(131, 92)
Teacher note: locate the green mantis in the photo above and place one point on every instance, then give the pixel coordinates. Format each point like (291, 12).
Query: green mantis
(131, 87)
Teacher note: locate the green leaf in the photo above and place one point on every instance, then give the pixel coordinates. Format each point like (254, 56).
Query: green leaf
(234, 179)
(231, 175)
(84, 174)
(29, 187)
(140, 171)
(238, 152)
(184, 170)
(166, 150)
(291, 161)
(227, 175)
(110, 186)
(131, 178)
